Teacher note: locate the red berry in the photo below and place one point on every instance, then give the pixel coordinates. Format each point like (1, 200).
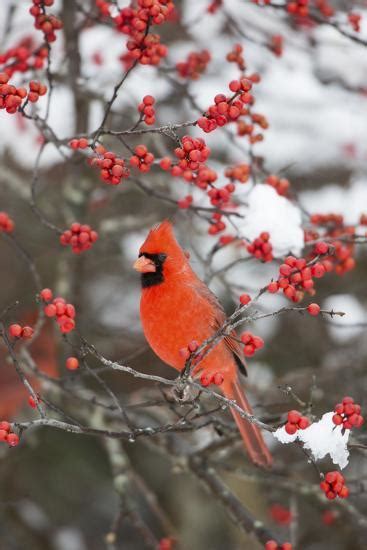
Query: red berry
(313, 309)
(303, 423)
(72, 363)
(273, 287)
(294, 416)
(206, 379)
(337, 419)
(32, 402)
(245, 299)
(15, 331)
(193, 345)
(12, 440)
(46, 294)
(4, 425)
(290, 428)
(321, 248)
(27, 332)
(50, 310)
(218, 379)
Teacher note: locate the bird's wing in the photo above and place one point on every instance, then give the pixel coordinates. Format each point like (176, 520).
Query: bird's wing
(219, 316)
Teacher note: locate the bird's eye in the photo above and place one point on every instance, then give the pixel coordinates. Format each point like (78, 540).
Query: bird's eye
(162, 257)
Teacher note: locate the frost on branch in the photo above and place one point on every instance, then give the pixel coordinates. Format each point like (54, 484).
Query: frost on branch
(268, 211)
(321, 438)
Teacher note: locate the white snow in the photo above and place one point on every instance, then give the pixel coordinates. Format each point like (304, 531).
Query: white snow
(321, 438)
(268, 211)
(342, 329)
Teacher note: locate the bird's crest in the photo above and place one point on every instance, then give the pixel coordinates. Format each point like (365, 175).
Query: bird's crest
(160, 239)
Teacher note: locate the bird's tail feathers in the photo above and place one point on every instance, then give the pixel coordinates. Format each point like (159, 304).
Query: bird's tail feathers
(250, 433)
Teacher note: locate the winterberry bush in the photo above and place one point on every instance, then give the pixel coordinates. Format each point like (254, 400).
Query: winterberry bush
(243, 122)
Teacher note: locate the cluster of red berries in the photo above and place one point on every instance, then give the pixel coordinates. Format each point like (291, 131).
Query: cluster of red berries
(341, 257)
(276, 44)
(334, 485)
(57, 307)
(48, 24)
(134, 22)
(191, 163)
(72, 363)
(23, 57)
(295, 422)
(234, 108)
(204, 177)
(148, 50)
(240, 172)
(130, 20)
(280, 514)
(79, 237)
(296, 277)
(191, 157)
(235, 56)
(221, 197)
(261, 247)
(11, 438)
(36, 89)
(227, 109)
(354, 19)
(208, 378)
(81, 143)
(298, 7)
(252, 343)
(186, 202)
(348, 414)
(324, 8)
(247, 128)
(217, 224)
(147, 110)
(327, 219)
(112, 168)
(17, 331)
(192, 153)
(10, 97)
(273, 545)
(281, 185)
(103, 7)
(142, 160)
(190, 166)
(6, 223)
(195, 65)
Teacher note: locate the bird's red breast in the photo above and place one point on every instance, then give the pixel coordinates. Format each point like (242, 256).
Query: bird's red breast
(180, 308)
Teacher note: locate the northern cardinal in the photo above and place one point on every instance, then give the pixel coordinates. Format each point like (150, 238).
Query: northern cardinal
(177, 308)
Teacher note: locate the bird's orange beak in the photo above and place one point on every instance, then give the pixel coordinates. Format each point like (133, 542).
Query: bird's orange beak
(144, 265)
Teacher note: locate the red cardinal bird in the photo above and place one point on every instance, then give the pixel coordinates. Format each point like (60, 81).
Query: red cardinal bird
(176, 308)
